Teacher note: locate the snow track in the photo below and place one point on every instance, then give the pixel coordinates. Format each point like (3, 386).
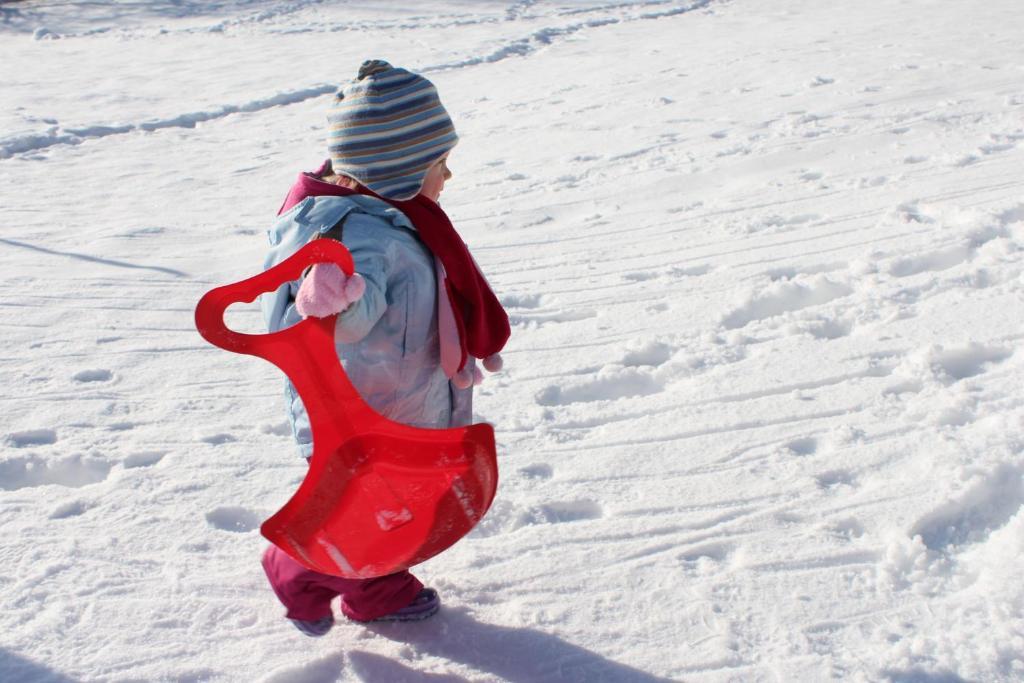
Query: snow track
(760, 417)
(54, 133)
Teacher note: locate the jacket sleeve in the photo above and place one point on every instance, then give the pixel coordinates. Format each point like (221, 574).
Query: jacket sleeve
(373, 262)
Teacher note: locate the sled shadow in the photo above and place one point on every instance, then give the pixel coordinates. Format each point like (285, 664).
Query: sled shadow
(16, 668)
(517, 655)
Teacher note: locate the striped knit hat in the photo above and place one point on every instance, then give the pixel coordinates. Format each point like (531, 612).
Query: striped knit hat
(386, 129)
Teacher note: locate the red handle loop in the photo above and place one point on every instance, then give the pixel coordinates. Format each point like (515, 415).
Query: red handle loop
(211, 308)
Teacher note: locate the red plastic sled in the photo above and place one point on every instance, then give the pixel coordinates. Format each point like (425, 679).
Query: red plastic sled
(379, 496)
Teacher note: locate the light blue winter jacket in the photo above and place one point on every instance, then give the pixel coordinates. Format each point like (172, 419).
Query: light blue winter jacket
(388, 341)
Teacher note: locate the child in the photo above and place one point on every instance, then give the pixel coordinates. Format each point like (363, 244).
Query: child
(412, 319)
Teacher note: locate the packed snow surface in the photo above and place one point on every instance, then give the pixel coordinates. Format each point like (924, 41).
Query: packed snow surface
(761, 414)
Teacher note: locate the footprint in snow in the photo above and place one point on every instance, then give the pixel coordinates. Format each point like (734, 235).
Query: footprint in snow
(685, 207)
(828, 329)
(651, 354)
(803, 447)
(539, 318)
(969, 518)
(72, 509)
(787, 517)
(72, 472)
(506, 517)
(847, 528)
(995, 148)
(865, 182)
(611, 384)
(93, 376)
(639, 276)
(734, 150)
(935, 261)
(823, 637)
(717, 552)
(943, 259)
(692, 271)
(781, 298)
(233, 519)
(528, 301)
(31, 437)
(833, 479)
(218, 439)
(501, 518)
(536, 471)
(955, 364)
(775, 223)
(999, 143)
(561, 512)
(276, 428)
(143, 459)
(911, 212)
(567, 181)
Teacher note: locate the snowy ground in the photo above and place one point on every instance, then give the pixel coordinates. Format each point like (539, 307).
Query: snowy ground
(761, 418)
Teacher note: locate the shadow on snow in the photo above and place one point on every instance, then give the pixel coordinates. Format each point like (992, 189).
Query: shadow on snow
(518, 655)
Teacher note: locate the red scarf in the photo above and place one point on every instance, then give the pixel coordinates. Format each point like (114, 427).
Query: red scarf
(482, 322)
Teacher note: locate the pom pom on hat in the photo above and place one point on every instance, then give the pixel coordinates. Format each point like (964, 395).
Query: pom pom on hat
(386, 128)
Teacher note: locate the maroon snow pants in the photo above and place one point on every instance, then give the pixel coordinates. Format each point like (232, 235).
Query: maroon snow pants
(307, 594)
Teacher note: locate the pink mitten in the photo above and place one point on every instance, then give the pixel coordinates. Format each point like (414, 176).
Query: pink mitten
(326, 290)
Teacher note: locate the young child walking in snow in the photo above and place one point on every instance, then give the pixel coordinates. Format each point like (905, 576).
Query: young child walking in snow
(414, 316)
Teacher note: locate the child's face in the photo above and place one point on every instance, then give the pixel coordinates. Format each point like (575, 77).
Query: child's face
(433, 184)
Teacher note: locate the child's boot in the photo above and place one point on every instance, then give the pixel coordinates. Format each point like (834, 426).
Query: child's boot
(314, 629)
(425, 604)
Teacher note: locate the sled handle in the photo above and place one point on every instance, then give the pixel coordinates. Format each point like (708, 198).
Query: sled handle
(210, 310)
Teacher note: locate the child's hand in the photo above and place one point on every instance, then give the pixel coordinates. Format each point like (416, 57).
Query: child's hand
(326, 290)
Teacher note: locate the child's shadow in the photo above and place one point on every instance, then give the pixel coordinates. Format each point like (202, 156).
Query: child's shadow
(519, 655)
(14, 667)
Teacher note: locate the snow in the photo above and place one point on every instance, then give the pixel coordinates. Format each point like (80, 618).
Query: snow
(760, 417)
